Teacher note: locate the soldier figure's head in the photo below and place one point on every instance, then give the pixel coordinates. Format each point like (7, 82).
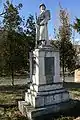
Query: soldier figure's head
(42, 7)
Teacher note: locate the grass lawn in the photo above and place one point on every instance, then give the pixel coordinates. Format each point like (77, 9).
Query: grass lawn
(74, 93)
(11, 114)
(8, 106)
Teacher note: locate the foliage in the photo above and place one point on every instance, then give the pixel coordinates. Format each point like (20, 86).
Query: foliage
(11, 24)
(11, 20)
(67, 51)
(76, 25)
(31, 32)
(15, 41)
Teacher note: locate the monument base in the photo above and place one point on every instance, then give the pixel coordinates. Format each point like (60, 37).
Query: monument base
(35, 113)
(46, 95)
(43, 100)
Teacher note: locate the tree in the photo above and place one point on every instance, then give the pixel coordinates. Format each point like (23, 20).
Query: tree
(17, 42)
(11, 24)
(76, 25)
(31, 32)
(67, 51)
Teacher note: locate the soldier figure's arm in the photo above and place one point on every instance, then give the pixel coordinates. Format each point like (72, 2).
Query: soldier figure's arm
(46, 18)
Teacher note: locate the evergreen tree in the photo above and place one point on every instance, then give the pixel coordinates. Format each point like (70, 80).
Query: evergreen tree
(15, 42)
(11, 24)
(31, 32)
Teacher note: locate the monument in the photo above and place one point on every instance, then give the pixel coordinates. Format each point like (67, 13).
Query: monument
(46, 94)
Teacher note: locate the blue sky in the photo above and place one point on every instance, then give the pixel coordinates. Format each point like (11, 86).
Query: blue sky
(32, 6)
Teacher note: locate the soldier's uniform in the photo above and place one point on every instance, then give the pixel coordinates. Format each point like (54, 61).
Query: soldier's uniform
(42, 23)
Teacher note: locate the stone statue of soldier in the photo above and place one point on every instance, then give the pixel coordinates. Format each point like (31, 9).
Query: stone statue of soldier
(41, 25)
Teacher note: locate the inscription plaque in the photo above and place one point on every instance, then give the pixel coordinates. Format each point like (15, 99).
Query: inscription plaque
(49, 69)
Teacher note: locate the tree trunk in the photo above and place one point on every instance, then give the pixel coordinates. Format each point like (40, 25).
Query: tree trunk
(12, 73)
(63, 72)
(63, 66)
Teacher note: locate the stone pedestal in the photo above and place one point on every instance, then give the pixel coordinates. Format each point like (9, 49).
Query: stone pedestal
(46, 90)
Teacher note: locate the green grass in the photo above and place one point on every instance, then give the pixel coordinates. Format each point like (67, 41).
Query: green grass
(65, 118)
(74, 93)
(9, 98)
(11, 113)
